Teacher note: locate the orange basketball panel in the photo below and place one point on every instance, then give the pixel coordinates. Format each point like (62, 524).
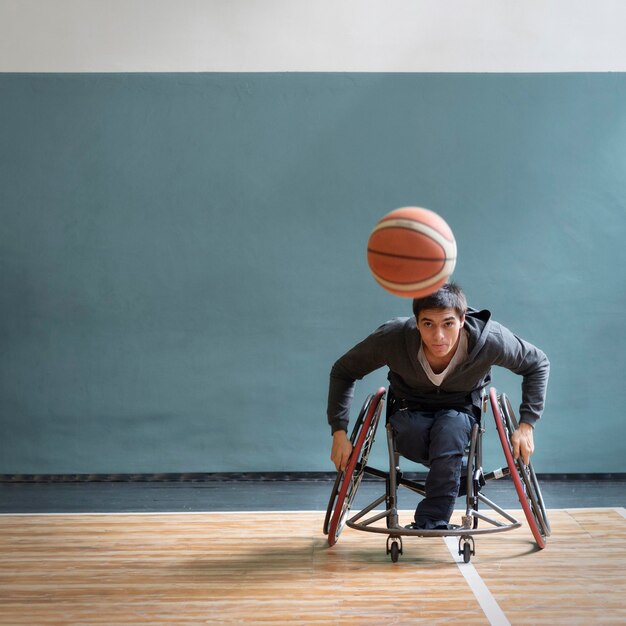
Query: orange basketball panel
(415, 293)
(405, 243)
(402, 270)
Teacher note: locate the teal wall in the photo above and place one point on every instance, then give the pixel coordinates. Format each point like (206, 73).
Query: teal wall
(183, 255)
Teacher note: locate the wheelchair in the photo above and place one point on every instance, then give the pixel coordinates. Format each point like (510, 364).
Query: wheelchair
(386, 522)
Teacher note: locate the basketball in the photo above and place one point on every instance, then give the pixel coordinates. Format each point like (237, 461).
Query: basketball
(411, 252)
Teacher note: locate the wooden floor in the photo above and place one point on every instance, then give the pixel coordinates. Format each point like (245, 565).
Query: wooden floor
(266, 568)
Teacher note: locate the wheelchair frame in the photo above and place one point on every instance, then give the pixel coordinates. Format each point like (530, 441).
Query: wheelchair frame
(362, 438)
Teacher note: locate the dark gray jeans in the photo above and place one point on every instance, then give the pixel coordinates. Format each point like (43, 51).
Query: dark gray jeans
(438, 440)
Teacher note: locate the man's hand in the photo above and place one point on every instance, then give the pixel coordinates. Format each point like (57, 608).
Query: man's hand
(522, 441)
(342, 448)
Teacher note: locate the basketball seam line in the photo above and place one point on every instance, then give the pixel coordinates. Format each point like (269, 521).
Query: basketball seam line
(412, 258)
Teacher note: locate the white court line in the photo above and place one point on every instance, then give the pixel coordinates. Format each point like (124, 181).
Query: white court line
(105, 513)
(487, 602)
(620, 510)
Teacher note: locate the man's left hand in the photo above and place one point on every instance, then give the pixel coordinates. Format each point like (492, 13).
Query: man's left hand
(522, 441)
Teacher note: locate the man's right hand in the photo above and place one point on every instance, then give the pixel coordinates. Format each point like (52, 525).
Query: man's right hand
(342, 448)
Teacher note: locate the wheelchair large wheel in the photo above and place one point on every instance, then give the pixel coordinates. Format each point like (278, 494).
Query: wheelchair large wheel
(523, 476)
(338, 480)
(527, 473)
(348, 481)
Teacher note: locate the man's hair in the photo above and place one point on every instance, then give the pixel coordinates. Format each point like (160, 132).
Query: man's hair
(450, 296)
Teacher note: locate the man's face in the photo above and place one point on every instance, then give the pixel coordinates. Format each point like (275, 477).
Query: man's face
(440, 329)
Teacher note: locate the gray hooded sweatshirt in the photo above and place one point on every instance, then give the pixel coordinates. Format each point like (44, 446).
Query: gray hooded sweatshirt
(396, 344)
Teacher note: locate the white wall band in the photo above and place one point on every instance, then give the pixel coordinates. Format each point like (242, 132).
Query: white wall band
(304, 36)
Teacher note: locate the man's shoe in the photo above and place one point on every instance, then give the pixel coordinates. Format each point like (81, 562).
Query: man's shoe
(436, 525)
(447, 527)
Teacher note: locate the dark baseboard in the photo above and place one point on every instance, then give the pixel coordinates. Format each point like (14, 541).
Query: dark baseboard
(194, 477)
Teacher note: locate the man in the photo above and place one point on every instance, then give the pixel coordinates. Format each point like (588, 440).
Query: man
(439, 362)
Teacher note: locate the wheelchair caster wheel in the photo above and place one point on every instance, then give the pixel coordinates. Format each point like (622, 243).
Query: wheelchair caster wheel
(394, 548)
(467, 548)
(395, 552)
(467, 553)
